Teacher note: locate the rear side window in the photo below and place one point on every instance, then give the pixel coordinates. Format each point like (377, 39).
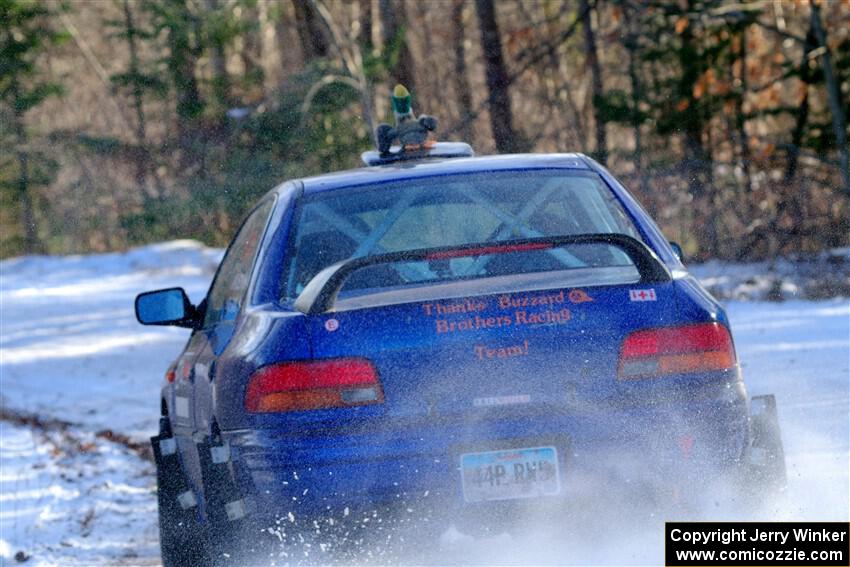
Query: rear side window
(452, 211)
(227, 293)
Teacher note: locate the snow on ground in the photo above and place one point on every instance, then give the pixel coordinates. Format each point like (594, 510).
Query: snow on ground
(813, 276)
(800, 351)
(71, 346)
(72, 354)
(71, 350)
(74, 501)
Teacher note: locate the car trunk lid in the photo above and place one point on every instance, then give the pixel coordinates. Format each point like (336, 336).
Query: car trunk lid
(543, 350)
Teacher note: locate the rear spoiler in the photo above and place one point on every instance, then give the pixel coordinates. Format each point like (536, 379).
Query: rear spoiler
(321, 292)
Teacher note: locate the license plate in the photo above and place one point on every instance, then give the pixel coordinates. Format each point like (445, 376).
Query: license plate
(510, 474)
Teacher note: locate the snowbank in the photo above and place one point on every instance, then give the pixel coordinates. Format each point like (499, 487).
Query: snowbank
(820, 276)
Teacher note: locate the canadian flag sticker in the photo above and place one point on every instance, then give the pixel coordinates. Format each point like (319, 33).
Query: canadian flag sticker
(642, 294)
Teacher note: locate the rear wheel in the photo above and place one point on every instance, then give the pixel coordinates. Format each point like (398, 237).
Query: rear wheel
(180, 535)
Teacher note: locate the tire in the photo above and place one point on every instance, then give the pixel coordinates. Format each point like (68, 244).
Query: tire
(181, 537)
(181, 542)
(764, 472)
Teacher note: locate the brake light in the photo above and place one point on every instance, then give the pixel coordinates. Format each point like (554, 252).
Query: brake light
(482, 250)
(171, 373)
(676, 350)
(313, 384)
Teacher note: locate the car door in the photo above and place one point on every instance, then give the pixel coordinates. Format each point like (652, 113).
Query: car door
(182, 420)
(225, 301)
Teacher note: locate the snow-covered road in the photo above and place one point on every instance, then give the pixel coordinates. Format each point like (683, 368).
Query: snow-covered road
(800, 351)
(71, 352)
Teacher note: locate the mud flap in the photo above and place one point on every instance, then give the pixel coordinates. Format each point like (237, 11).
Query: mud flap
(227, 510)
(174, 492)
(765, 457)
(178, 506)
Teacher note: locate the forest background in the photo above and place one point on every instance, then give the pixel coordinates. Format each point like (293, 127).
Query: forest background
(124, 122)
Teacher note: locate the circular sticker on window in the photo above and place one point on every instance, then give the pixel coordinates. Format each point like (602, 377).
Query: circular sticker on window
(331, 325)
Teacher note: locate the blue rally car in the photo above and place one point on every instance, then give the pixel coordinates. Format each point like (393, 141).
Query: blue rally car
(439, 333)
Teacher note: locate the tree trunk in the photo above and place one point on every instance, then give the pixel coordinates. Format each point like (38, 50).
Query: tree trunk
(498, 83)
(697, 165)
(181, 65)
(464, 91)
(281, 37)
(839, 125)
(693, 125)
(30, 229)
(557, 80)
(590, 51)
(795, 193)
(221, 79)
(366, 42)
(142, 155)
(636, 121)
(435, 88)
(741, 119)
(314, 43)
(252, 49)
(394, 28)
(802, 115)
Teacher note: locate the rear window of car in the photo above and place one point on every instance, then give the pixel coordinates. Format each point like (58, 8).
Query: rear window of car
(454, 211)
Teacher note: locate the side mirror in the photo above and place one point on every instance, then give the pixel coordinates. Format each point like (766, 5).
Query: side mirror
(166, 307)
(677, 250)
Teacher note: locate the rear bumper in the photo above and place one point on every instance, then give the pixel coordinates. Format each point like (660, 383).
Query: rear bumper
(417, 464)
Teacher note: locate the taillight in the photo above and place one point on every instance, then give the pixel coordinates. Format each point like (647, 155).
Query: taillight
(171, 373)
(676, 350)
(313, 384)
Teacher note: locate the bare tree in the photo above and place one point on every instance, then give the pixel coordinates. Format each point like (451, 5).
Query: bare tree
(498, 82)
(839, 125)
(366, 24)
(138, 107)
(630, 43)
(740, 116)
(252, 45)
(464, 92)
(309, 25)
(596, 81)
(217, 42)
(347, 48)
(802, 114)
(395, 33)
